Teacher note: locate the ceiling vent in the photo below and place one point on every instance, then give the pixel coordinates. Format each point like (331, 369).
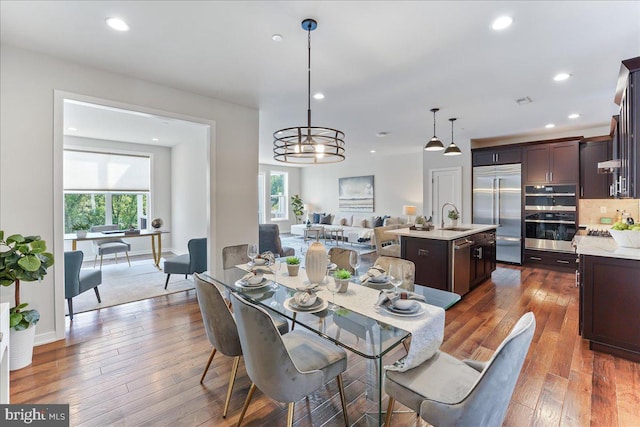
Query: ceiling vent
(524, 101)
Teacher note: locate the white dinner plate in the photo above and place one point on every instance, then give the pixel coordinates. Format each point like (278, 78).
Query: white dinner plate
(404, 313)
(245, 285)
(319, 305)
(383, 278)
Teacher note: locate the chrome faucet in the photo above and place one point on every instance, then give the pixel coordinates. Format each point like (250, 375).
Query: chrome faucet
(442, 213)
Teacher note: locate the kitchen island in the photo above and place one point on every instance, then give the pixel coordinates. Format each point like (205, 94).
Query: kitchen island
(609, 295)
(453, 259)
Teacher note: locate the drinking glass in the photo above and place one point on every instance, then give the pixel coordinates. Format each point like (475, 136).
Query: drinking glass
(276, 267)
(332, 286)
(354, 261)
(396, 275)
(252, 251)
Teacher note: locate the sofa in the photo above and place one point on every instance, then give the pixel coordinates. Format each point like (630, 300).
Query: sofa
(356, 228)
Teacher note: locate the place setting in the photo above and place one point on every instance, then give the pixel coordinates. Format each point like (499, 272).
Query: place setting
(401, 303)
(305, 301)
(253, 280)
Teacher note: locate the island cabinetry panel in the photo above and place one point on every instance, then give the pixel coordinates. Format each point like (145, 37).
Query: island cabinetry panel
(432, 260)
(611, 305)
(483, 257)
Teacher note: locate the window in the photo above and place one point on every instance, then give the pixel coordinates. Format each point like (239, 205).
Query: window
(261, 194)
(279, 196)
(105, 188)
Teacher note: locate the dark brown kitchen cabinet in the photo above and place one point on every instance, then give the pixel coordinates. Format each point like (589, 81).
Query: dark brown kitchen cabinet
(549, 259)
(551, 163)
(609, 303)
(432, 260)
(594, 185)
(496, 156)
(483, 257)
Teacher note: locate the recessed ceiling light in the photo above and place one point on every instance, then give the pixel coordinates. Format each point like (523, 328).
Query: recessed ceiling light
(561, 77)
(72, 129)
(276, 38)
(318, 95)
(501, 23)
(574, 116)
(382, 134)
(372, 151)
(550, 125)
(155, 139)
(117, 24)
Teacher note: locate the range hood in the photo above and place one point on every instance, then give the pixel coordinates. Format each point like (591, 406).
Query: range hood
(609, 166)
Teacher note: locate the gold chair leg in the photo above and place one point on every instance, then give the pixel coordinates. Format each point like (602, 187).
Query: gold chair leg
(290, 414)
(232, 379)
(95, 259)
(115, 255)
(387, 419)
(206, 368)
(100, 262)
(343, 400)
(252, 390)
(127, 255)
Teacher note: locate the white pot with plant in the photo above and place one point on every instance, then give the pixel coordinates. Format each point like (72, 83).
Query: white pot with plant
(453, 217)
(342, 278)
(22, 259)
(81, 229)
(293, 265)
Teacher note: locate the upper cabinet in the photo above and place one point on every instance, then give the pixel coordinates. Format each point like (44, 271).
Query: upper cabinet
(551, 163)
(627, 178)
(594, 185)
(496, 156)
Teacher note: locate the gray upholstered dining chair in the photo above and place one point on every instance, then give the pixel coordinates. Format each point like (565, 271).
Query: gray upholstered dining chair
(234, 255)
(221, 329)
(289, 367)
(446, 391)
(340, 257)
(193, 262)
(109, 245)
(269, 240)
(408, 268)
(77, 281)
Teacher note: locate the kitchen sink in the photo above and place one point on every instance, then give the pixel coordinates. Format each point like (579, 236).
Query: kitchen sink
(456, 229)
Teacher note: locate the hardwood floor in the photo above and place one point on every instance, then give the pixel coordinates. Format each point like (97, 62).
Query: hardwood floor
(140, 364)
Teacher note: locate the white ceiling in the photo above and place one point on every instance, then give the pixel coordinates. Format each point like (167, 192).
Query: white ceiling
(381, 64)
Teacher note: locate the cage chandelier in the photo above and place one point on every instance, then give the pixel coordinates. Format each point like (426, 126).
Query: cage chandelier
(308, 144)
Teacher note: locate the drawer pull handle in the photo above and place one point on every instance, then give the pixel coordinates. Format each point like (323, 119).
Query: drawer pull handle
(561, 261)
(535, 258)
(423, 252)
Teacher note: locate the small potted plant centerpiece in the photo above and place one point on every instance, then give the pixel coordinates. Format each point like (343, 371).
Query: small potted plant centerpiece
(420, 220)
(342, 278)
(293, 265)
(81, 229)
(453, 216)
(22, 259)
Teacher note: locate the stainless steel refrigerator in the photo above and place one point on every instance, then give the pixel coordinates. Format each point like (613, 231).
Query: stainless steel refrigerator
(497, 200)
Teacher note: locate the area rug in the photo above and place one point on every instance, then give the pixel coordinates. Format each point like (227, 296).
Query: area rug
(122, 284)
(300, 246)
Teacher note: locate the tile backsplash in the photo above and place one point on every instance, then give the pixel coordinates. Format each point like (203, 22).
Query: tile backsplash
(591, 210)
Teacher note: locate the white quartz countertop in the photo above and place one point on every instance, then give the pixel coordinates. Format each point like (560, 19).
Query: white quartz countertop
(604, 246)
(444, 234)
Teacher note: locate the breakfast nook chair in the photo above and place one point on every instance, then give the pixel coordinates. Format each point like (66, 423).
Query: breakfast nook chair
(193, 262)
(76, 280)
(446, 391)
(289, 367)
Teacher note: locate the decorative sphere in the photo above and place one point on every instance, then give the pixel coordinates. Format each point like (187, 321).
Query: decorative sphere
(156, 223)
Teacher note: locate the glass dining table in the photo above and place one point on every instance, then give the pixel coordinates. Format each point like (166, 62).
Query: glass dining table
(370, 339)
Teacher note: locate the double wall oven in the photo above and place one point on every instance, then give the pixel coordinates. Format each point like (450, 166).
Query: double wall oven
(550, 217)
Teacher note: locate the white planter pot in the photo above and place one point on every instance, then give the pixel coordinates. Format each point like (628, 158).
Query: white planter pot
(315, 262)
(81, 234)
(453, 222)
(21, 347)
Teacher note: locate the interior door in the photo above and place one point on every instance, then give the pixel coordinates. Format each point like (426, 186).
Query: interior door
(446, 186)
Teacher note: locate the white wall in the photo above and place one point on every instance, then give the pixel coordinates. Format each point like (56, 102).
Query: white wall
(160, 181)
(397, 181)
(189, 186)
(294, 188)
(31, 189)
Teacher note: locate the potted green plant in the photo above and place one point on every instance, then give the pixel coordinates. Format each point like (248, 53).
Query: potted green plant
(453, 216)
(293, 265)
(22, 259)
(81, 229)
(342, 278)
(297, 206)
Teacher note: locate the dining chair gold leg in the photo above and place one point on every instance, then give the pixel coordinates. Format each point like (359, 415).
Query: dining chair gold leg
(95, 259)
(343, 401)
(127, 255)
(387, 419)
(115, 255)
(232, 379)
(206, 368)
(100, 262)
(252, 390)
(290, 414)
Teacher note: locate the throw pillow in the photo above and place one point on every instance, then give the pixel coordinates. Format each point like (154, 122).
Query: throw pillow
(363, 223)
(327, 219)
(343, 221)
(379, 221)
(316, 218)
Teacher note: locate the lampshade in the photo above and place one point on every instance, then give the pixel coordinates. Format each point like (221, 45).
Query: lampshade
(307, 207)
(408, 210)
(452, 149)
(308, 144)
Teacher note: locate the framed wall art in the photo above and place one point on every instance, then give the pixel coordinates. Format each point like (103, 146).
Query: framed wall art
(355, 194)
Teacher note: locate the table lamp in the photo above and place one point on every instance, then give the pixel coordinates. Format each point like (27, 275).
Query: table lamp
(307, 207)
(409, 211)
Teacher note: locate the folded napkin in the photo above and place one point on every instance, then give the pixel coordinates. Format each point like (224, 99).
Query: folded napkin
(374, 271)
(268, 255)
(253, 277)
(389, 297)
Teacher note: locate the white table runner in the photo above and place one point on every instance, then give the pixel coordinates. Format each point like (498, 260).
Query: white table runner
(427, 330)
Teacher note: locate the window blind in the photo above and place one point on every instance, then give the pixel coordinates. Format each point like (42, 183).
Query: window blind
(91, 172)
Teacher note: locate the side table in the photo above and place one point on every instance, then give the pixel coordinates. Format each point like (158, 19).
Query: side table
(312, 230)
(336, 234)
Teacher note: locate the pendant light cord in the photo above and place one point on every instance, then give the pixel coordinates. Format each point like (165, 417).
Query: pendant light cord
(309, 80)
